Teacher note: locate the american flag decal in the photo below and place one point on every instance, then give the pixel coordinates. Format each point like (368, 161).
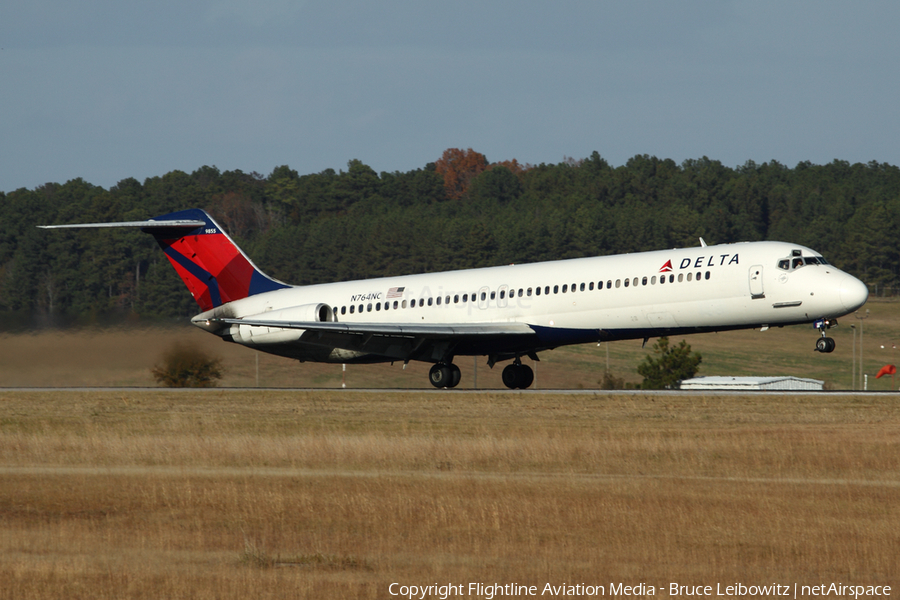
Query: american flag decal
(396, 292)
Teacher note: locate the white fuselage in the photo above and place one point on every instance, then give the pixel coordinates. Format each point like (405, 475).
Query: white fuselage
(641, 295)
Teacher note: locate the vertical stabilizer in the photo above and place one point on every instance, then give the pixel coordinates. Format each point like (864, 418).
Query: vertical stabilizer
(211, 265)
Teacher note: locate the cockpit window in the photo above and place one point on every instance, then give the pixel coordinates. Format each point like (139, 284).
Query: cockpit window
(795, 262)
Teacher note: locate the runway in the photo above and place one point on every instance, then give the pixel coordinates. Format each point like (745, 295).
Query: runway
(526, 477)
(457, 391)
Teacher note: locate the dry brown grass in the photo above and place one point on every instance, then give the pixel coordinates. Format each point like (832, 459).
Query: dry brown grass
(221, 494)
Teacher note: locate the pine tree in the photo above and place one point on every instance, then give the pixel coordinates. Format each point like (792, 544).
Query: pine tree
(670, 367)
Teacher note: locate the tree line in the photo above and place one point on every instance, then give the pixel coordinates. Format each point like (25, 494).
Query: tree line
(461, 211)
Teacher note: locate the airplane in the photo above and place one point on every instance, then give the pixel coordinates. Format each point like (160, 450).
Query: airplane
(504, 312)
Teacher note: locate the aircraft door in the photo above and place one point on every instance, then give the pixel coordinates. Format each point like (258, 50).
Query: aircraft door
(756, 282)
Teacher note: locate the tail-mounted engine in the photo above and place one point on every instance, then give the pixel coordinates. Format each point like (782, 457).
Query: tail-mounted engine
(306, 313)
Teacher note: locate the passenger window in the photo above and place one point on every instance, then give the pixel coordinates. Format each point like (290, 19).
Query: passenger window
(352, 307)
(573, 287)
(378, 307)
(591, 287)
(483, 296)
(343, 310)
(627, 282)
(690, 275)
(438, 300)
(662, 280)
(618, 282)
(581, 287)
(447, 300)
(680, 277)
(404, 304)
(555, 289)
(707, 275)
(369, 307)
(546, 290)
(395, 305)
(528, 292)
(635, 281)
(493, 295)
(653, 280)
(565, 287)
(609, 284)
(537, 291)
(671, 279)
(502, 294)
(465, 297)
(456, 299)
(360, 308)
(644, 281)
(699, 274)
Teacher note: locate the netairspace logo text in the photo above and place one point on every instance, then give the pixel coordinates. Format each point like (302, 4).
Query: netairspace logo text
(674, 590)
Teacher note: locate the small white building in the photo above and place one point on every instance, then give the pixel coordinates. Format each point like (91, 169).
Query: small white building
(752, 383)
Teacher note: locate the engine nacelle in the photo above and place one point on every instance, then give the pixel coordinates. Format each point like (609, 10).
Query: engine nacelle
(248, 334)
(318, 313)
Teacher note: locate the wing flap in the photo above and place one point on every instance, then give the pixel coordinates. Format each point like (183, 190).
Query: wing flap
(406, 330)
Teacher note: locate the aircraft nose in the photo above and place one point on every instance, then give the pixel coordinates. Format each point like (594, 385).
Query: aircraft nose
(854, 293)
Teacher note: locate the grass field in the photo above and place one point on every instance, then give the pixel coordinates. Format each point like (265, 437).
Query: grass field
(123, 358)
(338, 494)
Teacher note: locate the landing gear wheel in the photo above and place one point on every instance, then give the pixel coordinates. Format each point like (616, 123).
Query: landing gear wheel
(825, 344)
(510, 376)
(517, 376)
(439, 376)
(526, 377)
(455, 376)
(444, 376)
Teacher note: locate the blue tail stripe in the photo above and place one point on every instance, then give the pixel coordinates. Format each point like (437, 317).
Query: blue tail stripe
(201, 274)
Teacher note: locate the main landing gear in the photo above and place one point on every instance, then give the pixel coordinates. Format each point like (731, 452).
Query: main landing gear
(517, 376)
(443, 375)
(825, 344)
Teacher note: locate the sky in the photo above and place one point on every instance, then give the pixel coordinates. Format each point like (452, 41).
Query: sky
(105, 90)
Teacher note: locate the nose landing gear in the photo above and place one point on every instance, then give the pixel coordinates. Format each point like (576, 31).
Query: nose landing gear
(824, 343)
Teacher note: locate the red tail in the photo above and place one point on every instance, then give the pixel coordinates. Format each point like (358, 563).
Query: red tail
(211, 265)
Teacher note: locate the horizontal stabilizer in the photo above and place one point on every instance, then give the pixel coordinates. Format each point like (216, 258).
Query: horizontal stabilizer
(188, 224)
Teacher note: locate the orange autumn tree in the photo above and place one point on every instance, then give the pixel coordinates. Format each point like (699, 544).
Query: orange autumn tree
(459, 168)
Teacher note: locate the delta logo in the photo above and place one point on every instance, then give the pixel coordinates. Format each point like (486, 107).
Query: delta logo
(702, 261)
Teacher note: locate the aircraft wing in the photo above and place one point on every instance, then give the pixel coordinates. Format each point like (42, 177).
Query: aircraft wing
(400, 341)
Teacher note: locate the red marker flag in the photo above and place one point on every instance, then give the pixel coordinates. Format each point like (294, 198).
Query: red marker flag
(886, 370)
